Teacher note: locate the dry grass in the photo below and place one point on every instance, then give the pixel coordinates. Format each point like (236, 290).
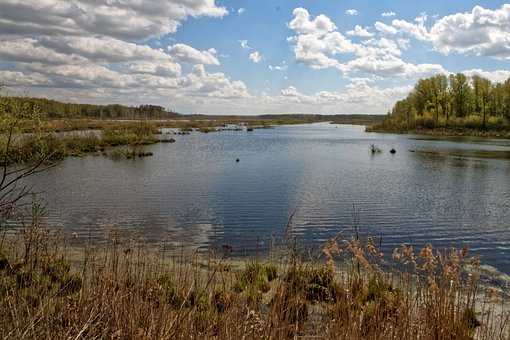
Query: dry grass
(123, 290)
(31, 148)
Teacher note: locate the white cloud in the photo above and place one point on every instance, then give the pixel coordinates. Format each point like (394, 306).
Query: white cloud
(241, 10)
(215, 85)
(17, 78)
(356, 97)
(390, 66)
(302, 24)
(498, 76)
(388, 14)
(376, 57)
(244, 44)
(256, 57)
(101, 49)
(93, 50)
(481, 32)
(352, 12)
(133, 20)
(168, 69)
(282, 67)
(385, 29)
(417, 31)
(361, 32)
(187, 54)
(31, 50)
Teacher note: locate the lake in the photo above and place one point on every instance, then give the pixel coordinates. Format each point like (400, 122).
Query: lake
(449, 192)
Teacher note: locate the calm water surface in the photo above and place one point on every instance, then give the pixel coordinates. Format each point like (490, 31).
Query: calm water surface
(446, 192)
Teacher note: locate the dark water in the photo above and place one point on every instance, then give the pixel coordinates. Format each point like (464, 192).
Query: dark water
(192, 192)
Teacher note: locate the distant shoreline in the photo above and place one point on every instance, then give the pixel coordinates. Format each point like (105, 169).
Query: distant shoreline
(445, 132)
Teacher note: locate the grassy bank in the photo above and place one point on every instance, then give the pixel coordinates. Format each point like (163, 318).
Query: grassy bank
(123, 290)
(427, 125)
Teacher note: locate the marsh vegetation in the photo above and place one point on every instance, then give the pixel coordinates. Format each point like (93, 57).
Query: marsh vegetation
(124, 290)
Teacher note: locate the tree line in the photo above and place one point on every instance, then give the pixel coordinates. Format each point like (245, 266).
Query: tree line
(54, 109)
(456, 100)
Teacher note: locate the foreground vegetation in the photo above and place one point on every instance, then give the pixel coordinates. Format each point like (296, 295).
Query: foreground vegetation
(454, 105)
(122, 290)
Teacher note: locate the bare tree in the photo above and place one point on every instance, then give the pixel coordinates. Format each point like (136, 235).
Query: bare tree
(12, 189)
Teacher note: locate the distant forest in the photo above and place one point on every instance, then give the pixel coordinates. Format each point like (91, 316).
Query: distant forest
(54, 109)
(456, 101)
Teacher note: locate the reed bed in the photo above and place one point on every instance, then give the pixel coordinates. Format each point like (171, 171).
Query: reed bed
(124, 289)
(33, 147)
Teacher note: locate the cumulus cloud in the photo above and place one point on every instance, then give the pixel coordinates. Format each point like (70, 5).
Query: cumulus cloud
(480, 32)
(385, 29)
(498, 76)
(361, 32)
(216, 85)
(96, 50)
(388, 14)
(302, 24)
(328, 48)
(163, 69)
(187, 54)
(101, 49)
(17, 78)
(357, 96)
(417, 31)
(132, 20)
(352, 12)
(256, 57)
(31, 50)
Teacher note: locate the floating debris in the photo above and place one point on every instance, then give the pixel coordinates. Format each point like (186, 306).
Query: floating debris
(374, 148)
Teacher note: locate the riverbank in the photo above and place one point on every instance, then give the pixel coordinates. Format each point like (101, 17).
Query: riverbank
(124, 290)
(444, 132)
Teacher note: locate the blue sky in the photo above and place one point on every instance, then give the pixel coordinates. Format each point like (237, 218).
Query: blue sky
(298, 56)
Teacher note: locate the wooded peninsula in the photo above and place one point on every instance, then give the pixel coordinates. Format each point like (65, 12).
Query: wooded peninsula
(452, 105)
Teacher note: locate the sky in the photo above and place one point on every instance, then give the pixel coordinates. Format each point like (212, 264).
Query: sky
(247, 56)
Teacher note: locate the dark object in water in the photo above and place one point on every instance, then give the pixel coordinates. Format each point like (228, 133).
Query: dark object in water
(374, 148)
(237, 160)
(393, 151)
(145, 154)
(171, 140)
(249, 129)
